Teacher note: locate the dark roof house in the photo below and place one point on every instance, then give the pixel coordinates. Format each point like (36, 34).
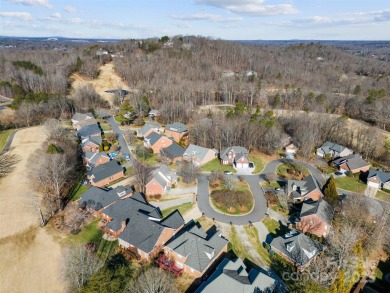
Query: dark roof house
(353, 163)
(174, 151)
(320, 208)
(303, 189)
(80, 116)
(105, 171)
(176, 127)
(89, 130)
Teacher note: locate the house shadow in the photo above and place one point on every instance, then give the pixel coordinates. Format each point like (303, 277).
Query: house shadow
(278, 232)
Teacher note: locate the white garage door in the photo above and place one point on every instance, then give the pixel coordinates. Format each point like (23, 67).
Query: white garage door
(242, 165)
(373, 184)
(290, 151)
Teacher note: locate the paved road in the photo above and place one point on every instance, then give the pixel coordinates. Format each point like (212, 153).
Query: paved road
(171, 203)
(119, 132)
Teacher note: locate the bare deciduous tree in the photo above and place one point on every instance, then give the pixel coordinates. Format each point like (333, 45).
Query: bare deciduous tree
(7, 164)
(154, 280)
(142, 173)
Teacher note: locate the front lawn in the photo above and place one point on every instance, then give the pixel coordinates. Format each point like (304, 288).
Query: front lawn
(183, 208)
(77, 190)
(236, 245)
(258, 162)
(383, 195)
(4, 137)
(215, 165)
(273, 185)
(292, 171)
(351, 183)
(272, 225)
(205, 222)
(104, 125)
(90, 233)
(253, 236)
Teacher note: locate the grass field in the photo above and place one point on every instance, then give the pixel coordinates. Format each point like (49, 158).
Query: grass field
(214, 165)
(272, 225)
(350, 183)
(183, 208)
(254, 239)
(282, 171)
(90, 233)
(4, 137)
(258, 162)
(382, 195)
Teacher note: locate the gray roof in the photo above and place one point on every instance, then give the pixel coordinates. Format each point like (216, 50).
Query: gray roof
(97, 140)
(232, 276)
(89, 130)
(80, 116)
(94, 157)
(176, 127)
(148, 126)
(98, 198)
(196, 151)
(200, 248)
(236, 149)
(354, 161)
(328, 146)
(106, 170)
(296, 246)
(173, 151)
(84, 123)
(144, 221)
(153, 137)
(383, 177)
(163, 175)
(320, 208)
(298, 189)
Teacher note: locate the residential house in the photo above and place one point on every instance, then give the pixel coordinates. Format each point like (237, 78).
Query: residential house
(91, 144)
(353, 163)
(316, 218)
(140, 226)
(296, 248)
(378, 179)
(105, 174)
(153, 113)
(77, 117)
(333, 150)
(232, 276)
(199, 155)
(194, 250)
(161, 180)
(156, 142)
(88, 131)
(236, 156)
(147, 129)
(92, 160)
(95, 199)
(176, 130)
(291, 148)
(173, 153)
(301, 190)
(84, 123)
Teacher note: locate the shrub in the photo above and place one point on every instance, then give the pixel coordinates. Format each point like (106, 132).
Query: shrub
(106, 148)
(173, 186)
(53, 149)
(350, 174)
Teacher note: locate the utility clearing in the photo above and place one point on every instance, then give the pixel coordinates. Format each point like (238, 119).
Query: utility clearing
(30, 257)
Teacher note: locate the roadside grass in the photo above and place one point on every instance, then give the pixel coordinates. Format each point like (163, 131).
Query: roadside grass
(253, 236)
(350, 183)
(281, 171)
(205, 222)
(183, 208)
(383, 195)
(269, 184)
(272, 225)
(326, 169)
(215, 165)
(258, 162)
(236, 245)
(4, 137)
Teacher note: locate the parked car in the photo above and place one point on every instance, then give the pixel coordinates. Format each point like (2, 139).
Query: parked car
(113, 155)
(251, 165)
(228, 172)
(127, 157)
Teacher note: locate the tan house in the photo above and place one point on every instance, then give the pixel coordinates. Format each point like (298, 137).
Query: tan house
(236, 156)
(176, 130)
(291, 148)
(333, 150)
(304, 189)
(199, 155)
(378, 179)
(140, 226)
(195, 250)
(77, 117)
(161, 180)
(156, 142)
(105, 174)
(353, 163)
(316, 218)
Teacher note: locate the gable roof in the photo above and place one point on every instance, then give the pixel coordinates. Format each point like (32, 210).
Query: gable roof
(153, 137)
(96, 140)
(353, 161)
(233, 276)
(200, 248)
(86, 122)
(383, 177)
(320, 208)
(106, 170)
(296, 246)
(89, 130)
(163, 175)
(236, 149)
(196, 151)
(176, 127)
(298, 189)
(148, 126)
(81, 116)
(97, 198)
(173, 151)
(328, 146)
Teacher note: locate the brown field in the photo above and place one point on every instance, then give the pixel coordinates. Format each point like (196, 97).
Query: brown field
(29, 254)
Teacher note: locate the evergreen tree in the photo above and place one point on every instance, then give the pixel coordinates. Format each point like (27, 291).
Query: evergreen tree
(330, 191)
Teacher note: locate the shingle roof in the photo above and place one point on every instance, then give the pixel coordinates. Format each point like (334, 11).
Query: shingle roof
(380, 175)
(298, 189)
(87, 122)
(320, 208)
(173, 151)
(236, 149)
(106, 170)
(97, 140)
(148, 126)
(176, 127)
(297, 247)
(153, 137)
(199, 247)
(89, 130)
(196, 151)
(163, 175)
(80, 116)
(232, 276)
(327, 146)
(353, 161)
(98, 198)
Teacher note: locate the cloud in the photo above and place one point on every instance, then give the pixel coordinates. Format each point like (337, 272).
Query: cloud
(250, 7)
(184, 25)
(57, 17)
(207, 17)
(70, 9)
(19, 15)
(44, 3)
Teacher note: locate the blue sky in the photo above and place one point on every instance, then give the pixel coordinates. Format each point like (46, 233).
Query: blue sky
(226, 19)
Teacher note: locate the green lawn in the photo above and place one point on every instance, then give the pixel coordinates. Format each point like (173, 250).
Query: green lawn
(236, 246)
(4, 137)
(269, 184)
(183, 208)
(215, 165)
(350, 183)
(105, 126)
(254, 239)
(327, 169)
(382, 195)
(272, 225)
(89, 233)
(78, 190)
(258, 162)
(282, 170)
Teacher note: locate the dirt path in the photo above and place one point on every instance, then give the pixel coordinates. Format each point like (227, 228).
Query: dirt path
(108, 79)
(29, 255)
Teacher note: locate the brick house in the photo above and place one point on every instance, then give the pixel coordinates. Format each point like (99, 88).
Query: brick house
(378, 179)
(156, 142)
(92, 160)
(161, 180)
(316, 218)
(173, 153)
(147, 129)
(236, 156)
(139, 225)
(195, 250)
(176, 130)
(353, 163)
(304, 189)
(105, 174)
(91, 144)
(199, 155)
(334, 150)
(89, 131)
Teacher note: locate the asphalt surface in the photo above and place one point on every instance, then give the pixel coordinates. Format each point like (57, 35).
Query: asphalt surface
(120, 137)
